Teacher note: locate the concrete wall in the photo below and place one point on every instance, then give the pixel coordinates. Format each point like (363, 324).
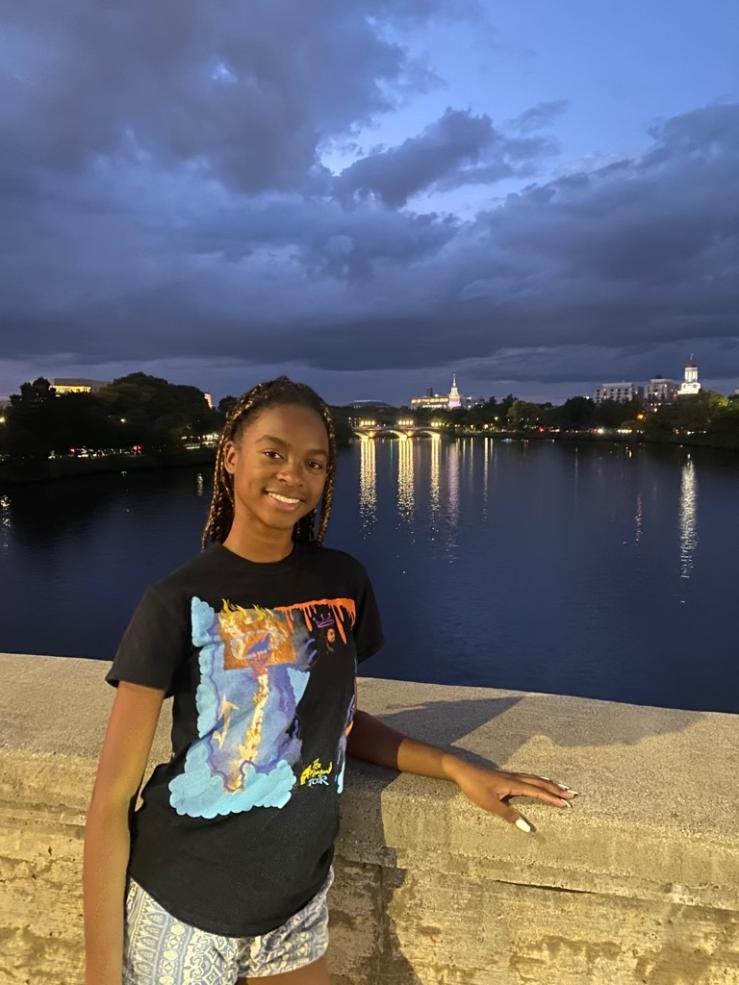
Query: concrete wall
(638, 884)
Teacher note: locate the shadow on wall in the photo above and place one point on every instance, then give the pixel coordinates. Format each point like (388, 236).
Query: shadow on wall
(443, 723)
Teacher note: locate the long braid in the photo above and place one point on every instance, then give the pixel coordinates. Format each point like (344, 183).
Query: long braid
(280, 391)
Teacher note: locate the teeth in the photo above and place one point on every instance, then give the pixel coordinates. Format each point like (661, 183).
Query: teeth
(283, 499)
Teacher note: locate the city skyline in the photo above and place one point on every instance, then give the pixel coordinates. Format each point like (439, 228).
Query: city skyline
(658, 389)
(363, 196)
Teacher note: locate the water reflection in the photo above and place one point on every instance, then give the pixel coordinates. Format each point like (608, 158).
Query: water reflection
(688, 517)
(6, 522)
(405, 478)
(638, 519)
(452, 474)
(485, 475)
(367, 482)
(199, 484)
(435, 478)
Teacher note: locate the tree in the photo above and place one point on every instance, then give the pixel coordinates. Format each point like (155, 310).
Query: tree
(225, 404)
(610, 413)
(79, 420)
(29, 420)
(157, 414)
(524, 415)
(576, 413)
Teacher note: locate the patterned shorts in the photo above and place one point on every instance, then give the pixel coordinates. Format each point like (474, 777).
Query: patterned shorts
(159, 949)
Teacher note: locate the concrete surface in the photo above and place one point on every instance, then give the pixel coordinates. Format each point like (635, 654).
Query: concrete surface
(638, 884)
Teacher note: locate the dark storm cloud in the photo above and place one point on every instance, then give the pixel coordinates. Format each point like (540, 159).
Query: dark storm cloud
(669, 220)
(455, 150)
(166, 198)
(244, 92)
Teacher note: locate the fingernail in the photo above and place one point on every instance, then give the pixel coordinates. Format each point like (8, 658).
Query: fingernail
(566, 804)
(565, 787)
(523, 825)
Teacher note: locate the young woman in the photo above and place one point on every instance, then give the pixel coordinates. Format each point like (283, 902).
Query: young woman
(222, 874)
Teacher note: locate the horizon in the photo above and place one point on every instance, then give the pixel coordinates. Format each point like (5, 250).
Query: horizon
(504, 392)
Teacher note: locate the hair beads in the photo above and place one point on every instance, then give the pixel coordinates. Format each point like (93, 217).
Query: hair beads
(280, 391)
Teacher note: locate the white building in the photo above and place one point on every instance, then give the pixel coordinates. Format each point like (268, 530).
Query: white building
(622, 393)
(455, 400)
(438, 401)
(690, 385)
(65, 385)
(662, 391)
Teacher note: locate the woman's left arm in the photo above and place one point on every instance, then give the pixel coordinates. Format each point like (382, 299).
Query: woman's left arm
(373, 741)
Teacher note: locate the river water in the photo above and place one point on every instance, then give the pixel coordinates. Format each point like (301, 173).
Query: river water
(603, 571)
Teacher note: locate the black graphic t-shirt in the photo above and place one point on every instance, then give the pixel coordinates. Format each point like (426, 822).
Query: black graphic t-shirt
(235, 833)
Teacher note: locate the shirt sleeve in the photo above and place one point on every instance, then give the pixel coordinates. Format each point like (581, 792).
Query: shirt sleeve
(154, 645)
(368, 637)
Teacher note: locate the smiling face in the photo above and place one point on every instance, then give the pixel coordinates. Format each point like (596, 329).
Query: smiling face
(278, 462)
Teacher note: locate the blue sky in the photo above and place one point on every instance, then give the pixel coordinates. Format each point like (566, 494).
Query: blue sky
(370, 196)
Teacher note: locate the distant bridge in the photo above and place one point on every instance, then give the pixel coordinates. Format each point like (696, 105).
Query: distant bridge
(399, 430)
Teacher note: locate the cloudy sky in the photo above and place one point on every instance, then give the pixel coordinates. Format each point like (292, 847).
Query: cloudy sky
(370, 194)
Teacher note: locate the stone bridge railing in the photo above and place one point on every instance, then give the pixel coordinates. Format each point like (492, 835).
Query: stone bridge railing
(638, 884)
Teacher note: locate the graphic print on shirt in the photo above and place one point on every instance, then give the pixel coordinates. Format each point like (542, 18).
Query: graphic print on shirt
(344, 739)
(254, 669)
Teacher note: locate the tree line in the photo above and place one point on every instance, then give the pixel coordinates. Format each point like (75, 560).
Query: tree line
(136, 411)
(707, 412)
(155, 416)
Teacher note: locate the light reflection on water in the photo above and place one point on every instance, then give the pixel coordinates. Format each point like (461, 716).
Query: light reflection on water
(5, 522)
(405, 500)
(435, 480)
(638, 517)
(452, 473)
(688, 517)
(367, 482)
(486, 475)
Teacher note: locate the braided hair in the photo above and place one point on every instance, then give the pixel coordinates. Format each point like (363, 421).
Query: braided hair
(278, 392)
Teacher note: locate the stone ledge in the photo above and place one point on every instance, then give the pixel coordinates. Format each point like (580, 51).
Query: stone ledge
(647, 861)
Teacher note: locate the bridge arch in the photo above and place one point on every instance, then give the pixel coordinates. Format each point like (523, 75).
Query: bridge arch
(410, 432)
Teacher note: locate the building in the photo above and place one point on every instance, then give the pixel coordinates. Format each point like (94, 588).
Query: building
(622, 393)
(469, 402)
(64, 385)
(662, 391)
(430, 402)
(455, 399)
(437, 401)
(691, 384)
(209, 400)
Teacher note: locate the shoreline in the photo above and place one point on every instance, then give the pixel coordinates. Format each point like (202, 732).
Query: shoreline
(24, 472)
